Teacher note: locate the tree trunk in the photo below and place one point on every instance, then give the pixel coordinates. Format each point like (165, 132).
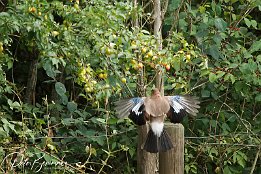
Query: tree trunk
(31, 83)
(158, 36)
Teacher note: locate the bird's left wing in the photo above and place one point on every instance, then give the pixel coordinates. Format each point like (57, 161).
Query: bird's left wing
(180, 105)
(125, 106)
(132, 108)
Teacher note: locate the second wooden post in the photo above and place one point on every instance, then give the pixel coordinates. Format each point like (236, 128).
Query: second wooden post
(172, 161)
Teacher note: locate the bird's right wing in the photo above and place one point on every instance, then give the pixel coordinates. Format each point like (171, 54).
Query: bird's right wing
(180, 105)
(132, 108)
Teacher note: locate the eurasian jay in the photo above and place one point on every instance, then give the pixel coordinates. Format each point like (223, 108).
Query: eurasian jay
(155, 109)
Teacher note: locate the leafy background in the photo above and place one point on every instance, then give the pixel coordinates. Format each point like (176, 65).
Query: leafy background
(64, 63)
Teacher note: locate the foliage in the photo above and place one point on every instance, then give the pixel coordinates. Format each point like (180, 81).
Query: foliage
(64, 63)
(228, 126)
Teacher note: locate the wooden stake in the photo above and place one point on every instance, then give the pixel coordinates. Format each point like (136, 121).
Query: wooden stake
(147, 162)
(172, 161)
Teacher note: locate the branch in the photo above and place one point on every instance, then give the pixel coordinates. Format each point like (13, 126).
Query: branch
(254, 164)
(165, 8)
(241, 120)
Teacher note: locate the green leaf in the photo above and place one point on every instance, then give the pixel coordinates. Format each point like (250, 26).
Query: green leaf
(101, 120)
(214, 95)
(212, 77)
(60, 88)
(71, 106)
(226, 78)
(173, 5)
(202, 9)
(213, 123)
(220, 74)
(217, 38)
(205, 93)
(49, 69)
(256, 46)
(13, 105)
(67, 121)
(220, 24)
(64, 99)
(258, 58)
(258, 98)
(240, 159)
(247, 22)
(254, 23)
(214, 51)
(232, 78)
(227, 170)
(99, 139)
(234, 17)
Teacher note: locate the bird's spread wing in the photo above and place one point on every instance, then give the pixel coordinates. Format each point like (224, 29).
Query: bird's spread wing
(132, 108)
(180, 105)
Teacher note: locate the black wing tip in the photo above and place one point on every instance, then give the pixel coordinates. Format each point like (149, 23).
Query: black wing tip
(137, 119)
(176, 117)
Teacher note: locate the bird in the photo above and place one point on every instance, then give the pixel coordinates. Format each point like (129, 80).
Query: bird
(155, 109)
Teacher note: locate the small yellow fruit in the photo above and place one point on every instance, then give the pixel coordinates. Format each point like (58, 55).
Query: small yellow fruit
(154, 57)
(94, 82)
(32, 9)
(39, 13)
(146, 57)
(123, 80)
(88, 89)
(108, 51)
(45, 17)
(150, 53)
(105, 75)
(55, 33)
(77, 2)
(140, 65)
(133, 61)
(188, 57)
(133, 44)
(1, 47)
(180, 51)
(76, 6)
(101, 75)
(185, 44)
(143, 50)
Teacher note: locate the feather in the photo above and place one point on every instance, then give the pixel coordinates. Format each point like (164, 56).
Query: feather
(125, 106)
(156, 144)
(184, 103)
(156, 106)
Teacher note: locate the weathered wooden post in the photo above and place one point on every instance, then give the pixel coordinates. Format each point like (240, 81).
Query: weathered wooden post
(172, 161)
(147, 162)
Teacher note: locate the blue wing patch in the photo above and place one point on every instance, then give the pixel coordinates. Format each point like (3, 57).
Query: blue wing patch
(132, 108)
(125, 106)
(180, 105)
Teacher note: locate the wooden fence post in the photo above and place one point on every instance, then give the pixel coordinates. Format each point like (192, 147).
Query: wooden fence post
(172, 161)
(147, 163)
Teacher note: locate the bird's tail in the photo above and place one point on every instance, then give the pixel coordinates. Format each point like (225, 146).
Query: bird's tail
(156, 143)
